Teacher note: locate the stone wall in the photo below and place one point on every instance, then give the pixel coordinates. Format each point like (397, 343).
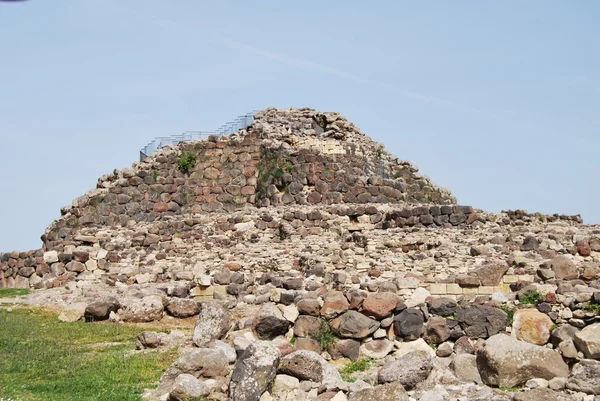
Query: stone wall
(153, 250)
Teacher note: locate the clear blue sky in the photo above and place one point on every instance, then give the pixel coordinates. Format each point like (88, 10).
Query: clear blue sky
(498, 101)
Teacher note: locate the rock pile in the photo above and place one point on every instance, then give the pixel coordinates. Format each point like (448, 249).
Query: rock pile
(316, 266)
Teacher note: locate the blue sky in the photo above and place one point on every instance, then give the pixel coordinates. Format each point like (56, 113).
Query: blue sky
(497, 101)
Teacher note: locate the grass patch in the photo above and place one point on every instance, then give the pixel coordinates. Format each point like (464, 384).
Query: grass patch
(510, 311)
(357, 366)
(531, 297)
(43, 359)
(13, 292)
(510, 389)
(592, 307)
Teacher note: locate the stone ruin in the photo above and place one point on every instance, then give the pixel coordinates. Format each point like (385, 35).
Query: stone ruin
(301, 227)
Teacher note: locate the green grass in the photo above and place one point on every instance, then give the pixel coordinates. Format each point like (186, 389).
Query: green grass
(531, 297)
(510, 311)
(357, 366)
(13, 292)
(592, 307)
(43, 359)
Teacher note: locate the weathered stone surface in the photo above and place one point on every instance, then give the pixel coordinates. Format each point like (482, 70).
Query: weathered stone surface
(380, 305)
(182, 308)
(408, 370)
(562, 333)
(531, 326)
(214, 321)
(491, 274)
(481, 321)
(353, 324)
(537, 394)
(335, 304)
(377, 349)
(198, 362)
(302, 365)
(409, 324)
(254, 372)
(188, 388)
(73, 312)
(100, 310)
(307, 326)
(386, 392)
(563, 268)
(504, 361)
(345, 348)
(464, 367)
(437, 330)
(309, 306)
(584, 377)
(147, 339)
(147, 309)
(270, 323)
(308, 365)
(588, 341)
(530, 243)
(443, 306)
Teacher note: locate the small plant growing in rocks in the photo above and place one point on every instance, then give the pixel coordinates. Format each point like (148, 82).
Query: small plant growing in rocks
(357, 366)
(510, 311)
(186, 162)
(592, 307)
(325, 336)
(531, 297)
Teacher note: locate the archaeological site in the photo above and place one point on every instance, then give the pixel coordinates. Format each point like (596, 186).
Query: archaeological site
(312, 264)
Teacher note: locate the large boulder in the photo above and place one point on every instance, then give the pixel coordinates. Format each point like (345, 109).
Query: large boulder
(408, 370)
(254, 371)
(464, 367)
(532, 326)
(308, 365)
(588, 341)
(147, 309)
(442, 306)
(198, 362)
(269, 322)
(408, 325)
(101, 309)
(585, 377)
(335, 304)
(308, 326)
(481, 321)
(183, 308)
(353, 324)
(214, 321)
(380, 305)
(504, 361)
(386, 392)
(563, 268)
(566, 332)
(437, 330)
(346, 348)
(188, 388)
(377, 349)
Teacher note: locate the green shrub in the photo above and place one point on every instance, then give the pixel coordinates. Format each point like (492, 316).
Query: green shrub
(531, 297)
(325, 336)
(186, 162)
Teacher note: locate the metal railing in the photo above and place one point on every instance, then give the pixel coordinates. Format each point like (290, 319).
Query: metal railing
(241, 122)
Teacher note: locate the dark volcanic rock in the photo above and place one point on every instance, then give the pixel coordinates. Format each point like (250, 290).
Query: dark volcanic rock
(481, 321)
